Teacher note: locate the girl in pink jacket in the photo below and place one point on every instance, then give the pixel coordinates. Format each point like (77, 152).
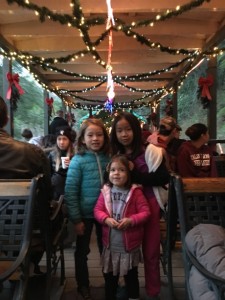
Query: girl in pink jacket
(122, 209)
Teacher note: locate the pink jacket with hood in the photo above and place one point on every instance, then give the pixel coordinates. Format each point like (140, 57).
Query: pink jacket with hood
(136, 208)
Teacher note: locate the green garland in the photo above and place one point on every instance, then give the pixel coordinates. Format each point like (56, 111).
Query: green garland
(121, 104)
(77, 20)
(169, 14)
(64, 19)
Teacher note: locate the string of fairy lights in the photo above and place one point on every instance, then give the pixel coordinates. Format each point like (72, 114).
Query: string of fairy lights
(77, 20)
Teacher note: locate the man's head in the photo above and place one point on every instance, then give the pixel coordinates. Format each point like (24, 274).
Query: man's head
(27, 134)
(59, 113)
(3, 113)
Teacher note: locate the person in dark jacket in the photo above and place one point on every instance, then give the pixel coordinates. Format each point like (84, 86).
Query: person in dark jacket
(21, 160)
(57, 122)
(63, 149)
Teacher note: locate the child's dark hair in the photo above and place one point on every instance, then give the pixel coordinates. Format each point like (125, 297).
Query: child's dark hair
(81, 147)
(125, 162)
(195, 131)
(137, 143)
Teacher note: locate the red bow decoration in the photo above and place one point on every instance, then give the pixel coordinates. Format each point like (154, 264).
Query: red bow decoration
(169, 102)
(204, 84)
(49, 101)
(13, 79)
(169, 107)
(153, 116)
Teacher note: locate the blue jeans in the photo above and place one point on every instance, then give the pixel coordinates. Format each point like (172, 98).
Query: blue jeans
(83, 249)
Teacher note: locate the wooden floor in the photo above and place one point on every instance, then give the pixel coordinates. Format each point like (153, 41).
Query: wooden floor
(69, 292)
(97, 282)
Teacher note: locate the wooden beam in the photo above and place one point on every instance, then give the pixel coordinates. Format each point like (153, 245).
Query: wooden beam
(214, 41)
(50, 28)
(132, 6)
(120, 43)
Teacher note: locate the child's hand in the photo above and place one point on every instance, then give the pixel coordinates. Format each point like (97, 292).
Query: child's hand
(131, 165)
(79, 228)
(124, 223)
(111, 222)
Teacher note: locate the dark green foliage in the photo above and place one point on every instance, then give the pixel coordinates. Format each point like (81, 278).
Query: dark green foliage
(221, 97)
(190, 109)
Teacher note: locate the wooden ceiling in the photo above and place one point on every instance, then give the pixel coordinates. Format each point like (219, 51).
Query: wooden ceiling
(199, 28)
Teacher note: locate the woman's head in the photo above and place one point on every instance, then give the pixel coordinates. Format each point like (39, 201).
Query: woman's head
(198, 131)
(119, 171)
(93, 136)
(64, 138)
(63, 145)
(168, 127)
(126, 135)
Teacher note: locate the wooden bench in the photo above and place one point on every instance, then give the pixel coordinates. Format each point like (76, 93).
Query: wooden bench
(197, 201)
(26, 223)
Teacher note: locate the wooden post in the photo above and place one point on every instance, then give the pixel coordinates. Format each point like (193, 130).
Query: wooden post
(174, 101)
(46, 115)
(7, 67)
(64, 108)
(212, 110)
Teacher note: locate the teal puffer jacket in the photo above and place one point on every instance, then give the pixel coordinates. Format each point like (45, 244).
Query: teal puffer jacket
(83, 184)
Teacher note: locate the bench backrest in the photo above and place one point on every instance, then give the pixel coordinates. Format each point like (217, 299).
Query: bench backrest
(17, 202)
(199, 200)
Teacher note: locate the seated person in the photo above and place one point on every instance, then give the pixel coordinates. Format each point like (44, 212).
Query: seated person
(57, 122)
(161, 138)
(49, 141)
(35, 140)
(195, 157)
(21, 160)
(63, 149)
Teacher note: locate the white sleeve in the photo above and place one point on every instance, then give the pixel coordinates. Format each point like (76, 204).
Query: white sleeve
(153, 157)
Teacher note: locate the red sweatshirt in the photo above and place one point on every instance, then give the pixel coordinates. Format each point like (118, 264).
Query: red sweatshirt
(195, 162)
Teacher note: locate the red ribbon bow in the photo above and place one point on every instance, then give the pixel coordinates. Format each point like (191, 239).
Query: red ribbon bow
(13, 79)
(49, 101)
(169, 102)
(153, 116)
(205, 83)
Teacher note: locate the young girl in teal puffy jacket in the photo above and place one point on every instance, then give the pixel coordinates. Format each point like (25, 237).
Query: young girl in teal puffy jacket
(83, 184)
